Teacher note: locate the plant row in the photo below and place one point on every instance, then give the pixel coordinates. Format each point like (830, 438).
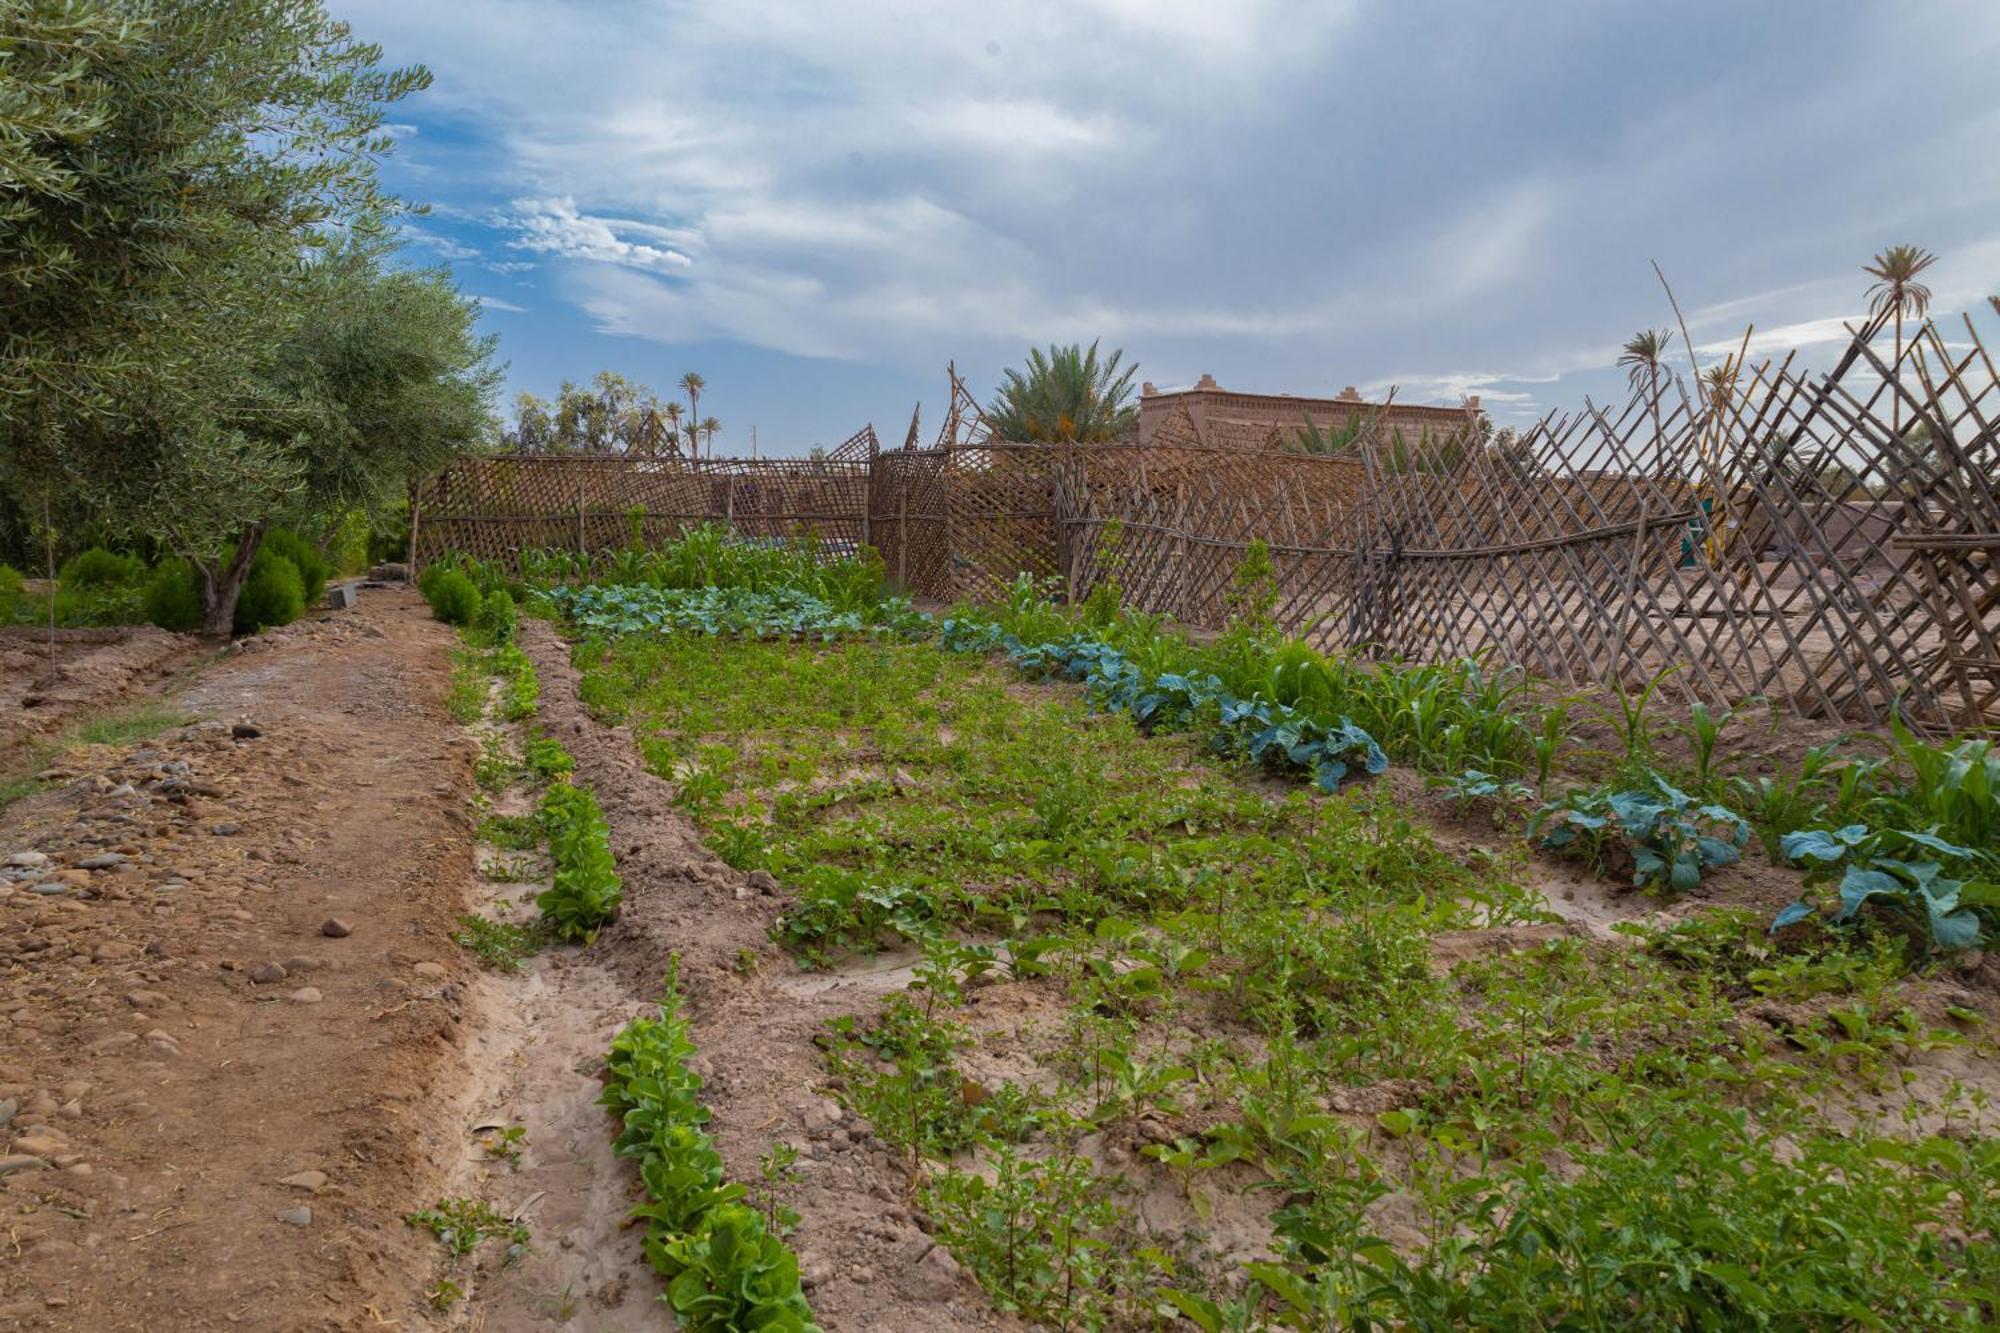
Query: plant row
(776, 613)
(725, 1269)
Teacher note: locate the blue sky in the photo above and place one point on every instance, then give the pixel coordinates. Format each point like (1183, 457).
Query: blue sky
(816, 205)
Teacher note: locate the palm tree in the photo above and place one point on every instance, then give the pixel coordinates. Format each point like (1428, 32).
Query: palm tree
(672, 412)
(707, 430)
(1066, 394)
(1643, 357)
(692, 384)
(1896, 289)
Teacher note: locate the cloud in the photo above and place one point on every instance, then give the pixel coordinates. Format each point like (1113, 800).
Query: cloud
(555, 226)
(495, 303)
(444, 247)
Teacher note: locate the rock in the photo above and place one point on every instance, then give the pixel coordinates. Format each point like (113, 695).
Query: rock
(763, 881)
(226, 830)
(28, 860)
(305, 995)
(101, 861)
(266, 974)
(1969, 962)
(115, 1041)
(313, 1181)
(9, 1108)
(246, 731)
(335, 929)
(431, 971)
(300, 964)
(49, 889)
(113, 951)
(21, 1162)
(40, 1145)
(937, 1275)
(300, 1216)
(145, 999)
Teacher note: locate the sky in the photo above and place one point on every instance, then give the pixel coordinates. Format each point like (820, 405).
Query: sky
(818, 204)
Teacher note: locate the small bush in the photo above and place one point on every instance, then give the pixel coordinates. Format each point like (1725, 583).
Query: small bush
(273, 593)
(452, 596)
(172, 598)
(311, 564)
(497, 616)
(99, 568)
(11, 595)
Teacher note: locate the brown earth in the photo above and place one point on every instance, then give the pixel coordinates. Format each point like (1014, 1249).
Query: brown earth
(178, 1038)
(90, 669)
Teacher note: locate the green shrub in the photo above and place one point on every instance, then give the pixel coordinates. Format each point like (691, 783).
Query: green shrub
(452, 596)
(497, 616)
(11, 595)
(172, 598)
(273, 593)
(311, 564)
(99, 568)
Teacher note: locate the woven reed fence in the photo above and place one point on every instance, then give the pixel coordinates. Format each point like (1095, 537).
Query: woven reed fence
(1829, 542)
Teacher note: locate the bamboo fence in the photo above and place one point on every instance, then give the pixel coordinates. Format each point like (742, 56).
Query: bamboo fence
(1829, 542)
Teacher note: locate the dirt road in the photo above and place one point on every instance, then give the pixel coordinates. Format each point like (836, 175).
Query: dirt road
(231, 1004)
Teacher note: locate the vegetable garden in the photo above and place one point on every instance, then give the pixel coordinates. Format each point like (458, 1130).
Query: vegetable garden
(1214, 982)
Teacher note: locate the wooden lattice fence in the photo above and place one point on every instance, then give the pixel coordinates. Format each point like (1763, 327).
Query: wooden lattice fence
(1829, 542)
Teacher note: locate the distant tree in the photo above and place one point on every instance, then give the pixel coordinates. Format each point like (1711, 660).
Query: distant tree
(534, 428)
(1644, 359)
(1065, 394)
(1897, 290)
(692, 384)
(709, 426)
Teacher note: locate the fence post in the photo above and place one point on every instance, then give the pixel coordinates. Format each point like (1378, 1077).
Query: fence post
(729, 501)
(580, 549)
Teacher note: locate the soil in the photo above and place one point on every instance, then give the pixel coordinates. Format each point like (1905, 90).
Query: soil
(92, 668)
(179, 1039)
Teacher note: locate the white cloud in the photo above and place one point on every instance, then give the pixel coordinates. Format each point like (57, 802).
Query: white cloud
(495, 303)
(555, 226)
(443, 246)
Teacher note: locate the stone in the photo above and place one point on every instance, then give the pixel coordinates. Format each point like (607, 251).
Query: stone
(431, 971)
(305, 995)
(246, 731)
(13, 1162)
(145, 999)
(115, 1041)
(28, 860)
(937, 1275)
(311, 1181)
(266, 974)
(113, 951)
(763, 881)
(49, 889)
(40, 1145)
(300, 1216)
(101, 861)
(226, 830)
(335, 929)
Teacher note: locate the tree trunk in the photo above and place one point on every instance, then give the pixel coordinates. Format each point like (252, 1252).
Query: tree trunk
(221, 585)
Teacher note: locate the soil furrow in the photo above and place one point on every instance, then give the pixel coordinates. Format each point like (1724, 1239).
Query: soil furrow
(866, 1260)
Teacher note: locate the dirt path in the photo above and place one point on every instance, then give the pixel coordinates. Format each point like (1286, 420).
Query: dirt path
(217, 1112)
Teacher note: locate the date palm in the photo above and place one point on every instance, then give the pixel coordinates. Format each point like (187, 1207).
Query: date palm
(1065, 394)
(1897, 290)
(1643, 357)
(672, 412)
(692, 384)
(707, 431)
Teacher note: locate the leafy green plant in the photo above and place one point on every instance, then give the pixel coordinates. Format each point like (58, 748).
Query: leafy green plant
(509, 1144)
(1667, 839)
(273, 594)
(99, 568)
(1919, 875)
(724, 1268)
(585, 893)
(497, 618)
(305, 558)
(1474, 787)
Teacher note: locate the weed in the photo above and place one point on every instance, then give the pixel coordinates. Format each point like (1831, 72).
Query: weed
(463, 1225)
(509, 1145)
(501, 945)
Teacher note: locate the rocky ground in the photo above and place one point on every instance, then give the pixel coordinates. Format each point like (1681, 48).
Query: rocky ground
(229, 999)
